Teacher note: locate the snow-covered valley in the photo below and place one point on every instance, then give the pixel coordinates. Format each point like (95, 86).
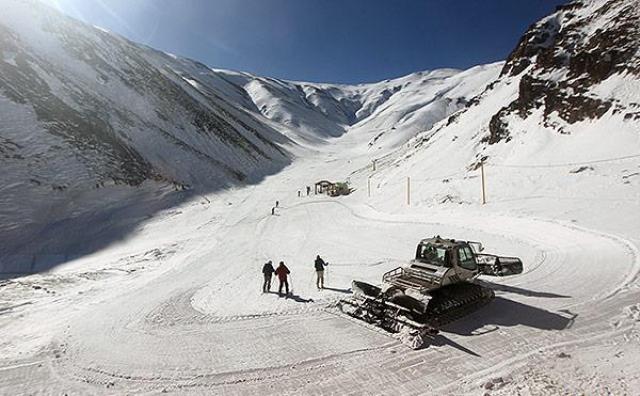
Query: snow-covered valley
(170, 302)
(178, 306)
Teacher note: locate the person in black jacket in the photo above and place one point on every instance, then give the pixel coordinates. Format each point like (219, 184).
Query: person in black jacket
(267, 271)
(319, 265)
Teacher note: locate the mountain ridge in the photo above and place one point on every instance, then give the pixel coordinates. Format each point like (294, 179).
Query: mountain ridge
(95, 125)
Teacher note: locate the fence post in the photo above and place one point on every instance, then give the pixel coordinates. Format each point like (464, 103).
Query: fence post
(369, 186)
(408, 191)
(484, 193)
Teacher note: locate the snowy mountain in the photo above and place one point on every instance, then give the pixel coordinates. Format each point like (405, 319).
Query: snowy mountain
(572, 64)
(88, 115)
(112, 113)
(312, 113)
(136, 288)
(569, 93)
(90, 127)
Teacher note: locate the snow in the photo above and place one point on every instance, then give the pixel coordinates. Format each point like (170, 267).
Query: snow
(9, 57)
(176, 305)
(193, 317)
(182, 296)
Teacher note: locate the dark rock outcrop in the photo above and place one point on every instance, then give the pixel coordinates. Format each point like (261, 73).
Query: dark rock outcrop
(559, 59)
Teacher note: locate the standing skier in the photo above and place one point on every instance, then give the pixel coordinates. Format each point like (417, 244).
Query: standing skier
(267, 271)
(319, 265)
(282, 271)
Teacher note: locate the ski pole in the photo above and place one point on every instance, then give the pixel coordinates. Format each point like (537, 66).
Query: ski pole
(326, 272)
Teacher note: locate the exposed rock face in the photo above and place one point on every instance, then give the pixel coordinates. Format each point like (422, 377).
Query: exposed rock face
(561, 58)
(499, 128)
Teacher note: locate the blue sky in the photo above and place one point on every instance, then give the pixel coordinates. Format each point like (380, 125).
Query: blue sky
(346, 41)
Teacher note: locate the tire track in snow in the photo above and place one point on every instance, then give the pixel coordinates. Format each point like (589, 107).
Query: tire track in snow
(557, 261)
(631, 276)
(176, 318)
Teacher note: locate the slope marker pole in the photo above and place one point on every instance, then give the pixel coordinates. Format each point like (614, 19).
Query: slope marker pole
(408, 191)
(484, 193)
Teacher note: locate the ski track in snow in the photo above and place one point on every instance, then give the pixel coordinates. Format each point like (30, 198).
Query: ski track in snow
(204, 326)
(177, 307)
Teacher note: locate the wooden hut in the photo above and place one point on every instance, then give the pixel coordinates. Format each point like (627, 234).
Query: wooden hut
(324, 186)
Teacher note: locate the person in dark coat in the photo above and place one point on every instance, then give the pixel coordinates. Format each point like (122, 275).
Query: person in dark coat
(319, 265)
(282, 271)
(267, 271)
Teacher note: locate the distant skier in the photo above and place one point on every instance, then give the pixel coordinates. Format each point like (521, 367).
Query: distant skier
(298, 193)
(282, 271)
(319, 265)
(267, 271)
(277, 204)
(308, 190)
(273, 211)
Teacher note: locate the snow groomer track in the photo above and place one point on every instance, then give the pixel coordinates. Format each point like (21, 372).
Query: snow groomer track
(111, 289)
(204, 326)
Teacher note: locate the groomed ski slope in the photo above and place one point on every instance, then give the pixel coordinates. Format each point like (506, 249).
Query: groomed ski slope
(177, 307)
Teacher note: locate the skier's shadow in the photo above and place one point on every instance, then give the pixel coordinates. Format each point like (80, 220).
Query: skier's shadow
(345, 291)
(299, 299)
(291, 296)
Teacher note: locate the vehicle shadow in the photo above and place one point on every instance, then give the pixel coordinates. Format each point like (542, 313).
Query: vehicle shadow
(507, 313)
(519, 290)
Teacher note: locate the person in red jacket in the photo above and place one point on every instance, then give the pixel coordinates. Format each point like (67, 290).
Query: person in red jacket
(282, 271)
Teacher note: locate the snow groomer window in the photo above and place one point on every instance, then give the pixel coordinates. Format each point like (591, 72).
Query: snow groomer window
(465, 258)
